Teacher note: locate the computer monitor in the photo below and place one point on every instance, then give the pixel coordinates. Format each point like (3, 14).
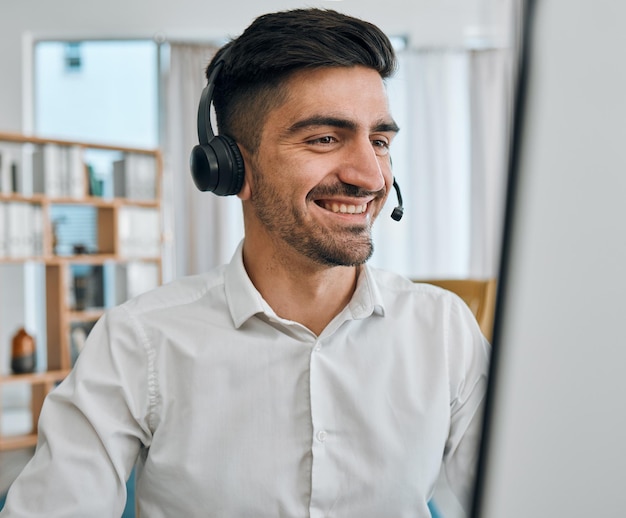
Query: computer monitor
(554, 441)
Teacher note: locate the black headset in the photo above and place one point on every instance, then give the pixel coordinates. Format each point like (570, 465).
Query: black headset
(216, 163)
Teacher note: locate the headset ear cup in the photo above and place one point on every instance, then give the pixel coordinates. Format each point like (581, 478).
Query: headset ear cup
(231, 183)
(217, 166)
(204, 167)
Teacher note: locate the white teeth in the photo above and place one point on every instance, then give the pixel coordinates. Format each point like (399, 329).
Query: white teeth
(345, 209)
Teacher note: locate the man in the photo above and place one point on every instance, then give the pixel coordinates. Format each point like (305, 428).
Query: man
(296, 380)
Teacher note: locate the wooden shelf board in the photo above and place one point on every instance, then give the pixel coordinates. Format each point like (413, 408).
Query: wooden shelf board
(35, 198)
(139, 203)
(27, 139)
(94, 201)
(21, 260)
(35, 377)
(81, 259)
(13, 442)
(87, 315)
(140, 259)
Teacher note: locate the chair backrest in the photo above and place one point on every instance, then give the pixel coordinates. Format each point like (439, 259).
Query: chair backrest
(478, 294)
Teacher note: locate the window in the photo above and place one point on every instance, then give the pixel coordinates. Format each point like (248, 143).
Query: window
(97, 91)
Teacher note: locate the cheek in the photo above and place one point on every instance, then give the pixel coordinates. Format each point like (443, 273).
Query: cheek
(296, 173)
(301, 176)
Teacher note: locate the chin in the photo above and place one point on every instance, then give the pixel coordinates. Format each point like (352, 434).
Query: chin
(344, 256)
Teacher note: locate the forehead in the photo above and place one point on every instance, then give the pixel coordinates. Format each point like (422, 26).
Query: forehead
(354, 93)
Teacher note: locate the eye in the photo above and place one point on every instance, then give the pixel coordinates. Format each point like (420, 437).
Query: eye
(326, 139)
(381, 147)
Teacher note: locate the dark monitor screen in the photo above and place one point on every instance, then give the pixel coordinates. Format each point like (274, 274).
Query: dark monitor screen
(554, 441)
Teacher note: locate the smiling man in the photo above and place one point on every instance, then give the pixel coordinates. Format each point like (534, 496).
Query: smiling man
(295, 381)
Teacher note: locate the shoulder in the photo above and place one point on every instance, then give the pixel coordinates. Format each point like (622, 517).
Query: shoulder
(184, 292)
(394, 285)
(423, 304)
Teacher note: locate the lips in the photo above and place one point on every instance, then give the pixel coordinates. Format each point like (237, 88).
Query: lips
(344, 199)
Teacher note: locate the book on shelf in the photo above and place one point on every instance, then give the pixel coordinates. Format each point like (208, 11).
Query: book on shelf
(59, 171)
(134, 278)
(96, 184)
(21, 230)
(85, 287)
(78, 336)
(139, 231)
(135, 177)
(4, 244)
(10, 161)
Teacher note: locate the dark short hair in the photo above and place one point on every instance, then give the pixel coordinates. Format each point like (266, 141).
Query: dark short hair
(274, 46)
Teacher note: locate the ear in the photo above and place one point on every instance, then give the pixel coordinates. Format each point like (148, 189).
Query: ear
(245, 192)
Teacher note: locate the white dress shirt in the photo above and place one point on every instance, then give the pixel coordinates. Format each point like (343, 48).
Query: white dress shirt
(231, 411)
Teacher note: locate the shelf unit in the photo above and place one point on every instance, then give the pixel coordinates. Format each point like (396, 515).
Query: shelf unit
(112, 242)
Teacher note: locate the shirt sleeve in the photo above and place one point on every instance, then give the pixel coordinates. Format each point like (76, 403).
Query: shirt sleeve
(468, 359)
(91, 429)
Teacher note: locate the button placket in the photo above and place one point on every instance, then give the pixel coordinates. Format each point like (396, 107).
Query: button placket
(323, 470)
(321, 434)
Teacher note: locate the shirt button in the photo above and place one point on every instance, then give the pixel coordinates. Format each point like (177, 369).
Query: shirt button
(317, 347)
(322, 435)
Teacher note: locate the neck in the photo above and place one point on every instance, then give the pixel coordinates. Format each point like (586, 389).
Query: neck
(298, 289)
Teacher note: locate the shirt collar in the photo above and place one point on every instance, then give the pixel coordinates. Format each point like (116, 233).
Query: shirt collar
(367, 299)
(244, 300)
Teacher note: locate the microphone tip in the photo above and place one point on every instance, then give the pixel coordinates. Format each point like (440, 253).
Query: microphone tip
(397, 214)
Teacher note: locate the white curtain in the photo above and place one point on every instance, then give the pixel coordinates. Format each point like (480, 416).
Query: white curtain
(491, 97)
(431, 163)
(450, 157)
(204, 229)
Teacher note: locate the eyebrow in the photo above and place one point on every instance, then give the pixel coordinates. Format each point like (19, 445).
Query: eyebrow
(336, 122)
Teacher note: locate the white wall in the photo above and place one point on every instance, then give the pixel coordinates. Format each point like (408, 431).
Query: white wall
(426, 22)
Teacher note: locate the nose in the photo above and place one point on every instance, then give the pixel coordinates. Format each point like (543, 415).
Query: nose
(363, 167)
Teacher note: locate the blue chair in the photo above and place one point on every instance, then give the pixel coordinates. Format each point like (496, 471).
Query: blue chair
(433, 510)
